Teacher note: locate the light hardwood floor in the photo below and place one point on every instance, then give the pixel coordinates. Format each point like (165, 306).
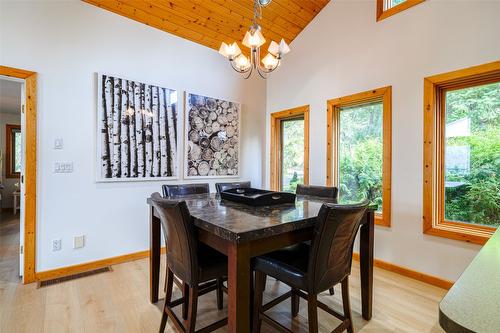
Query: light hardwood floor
(118, 302)
(9, 247)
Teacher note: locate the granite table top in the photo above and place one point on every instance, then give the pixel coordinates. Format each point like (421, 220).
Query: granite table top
(473, 303)
(240, 223)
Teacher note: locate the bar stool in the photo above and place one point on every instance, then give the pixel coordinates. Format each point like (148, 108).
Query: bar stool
(312, 268)
(199, 266)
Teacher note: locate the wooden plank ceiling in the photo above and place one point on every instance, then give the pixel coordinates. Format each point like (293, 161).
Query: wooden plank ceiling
(210, 22)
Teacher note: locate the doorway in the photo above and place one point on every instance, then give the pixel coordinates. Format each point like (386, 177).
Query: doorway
(11, 153)
(18, 176)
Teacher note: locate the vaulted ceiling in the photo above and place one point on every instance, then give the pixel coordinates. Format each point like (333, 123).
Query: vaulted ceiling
(210, 22)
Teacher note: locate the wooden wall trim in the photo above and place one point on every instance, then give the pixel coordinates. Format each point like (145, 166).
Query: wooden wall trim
(433, 221)
(30, 81)
(275, 149)
(333, 116)
(89, 266)
(423, 277)
(383, 14)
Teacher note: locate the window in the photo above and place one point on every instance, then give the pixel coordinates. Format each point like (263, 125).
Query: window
(13, 151)
(359, 149)
(290, 149)
(386, 8)
(461, 153)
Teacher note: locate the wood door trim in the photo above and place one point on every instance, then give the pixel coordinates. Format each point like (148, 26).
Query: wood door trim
(30, 83)
(275, 162)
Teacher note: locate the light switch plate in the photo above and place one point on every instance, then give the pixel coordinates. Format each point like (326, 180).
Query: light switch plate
(58, 143)
(63, 167)
(79, 242)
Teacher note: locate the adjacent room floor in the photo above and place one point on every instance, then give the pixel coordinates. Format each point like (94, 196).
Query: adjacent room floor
(9, 250)
(118, 301)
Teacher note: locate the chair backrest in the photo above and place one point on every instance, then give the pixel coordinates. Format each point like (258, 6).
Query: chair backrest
(317, 191)
(172, 191)
(180, 237)
(333, 239)
(227, 186)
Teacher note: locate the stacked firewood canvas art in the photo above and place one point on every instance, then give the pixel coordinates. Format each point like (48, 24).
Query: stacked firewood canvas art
(138, 130)
(212, 137)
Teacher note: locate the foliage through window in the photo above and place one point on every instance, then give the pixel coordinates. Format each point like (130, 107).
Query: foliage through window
(392, 3)
(289, 149)
(292, 152)
(461, 183)
(360, 153)
(472, 155)
(359, 149)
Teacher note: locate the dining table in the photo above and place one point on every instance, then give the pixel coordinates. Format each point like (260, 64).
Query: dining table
(242, 231)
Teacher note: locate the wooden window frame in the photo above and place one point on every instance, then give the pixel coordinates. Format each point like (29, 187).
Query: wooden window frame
(383, 14)
(276, 119)
(433, 185)
(9, 130)
(332, 154)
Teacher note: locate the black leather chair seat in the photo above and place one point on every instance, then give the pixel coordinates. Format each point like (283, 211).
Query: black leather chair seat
(288, 265)
(211, 263)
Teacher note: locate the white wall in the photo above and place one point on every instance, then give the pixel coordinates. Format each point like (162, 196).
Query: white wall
(9, 183)
(66, 42)
(345, 51)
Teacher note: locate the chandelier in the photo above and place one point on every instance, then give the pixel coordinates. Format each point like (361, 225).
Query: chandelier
(254, 40)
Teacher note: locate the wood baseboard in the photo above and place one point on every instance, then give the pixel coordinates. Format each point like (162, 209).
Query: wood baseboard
(89, 266)
(429, 279)
(85, 267)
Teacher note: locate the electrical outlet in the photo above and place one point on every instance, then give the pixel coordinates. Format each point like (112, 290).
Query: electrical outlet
(56, 244)
(79, 242)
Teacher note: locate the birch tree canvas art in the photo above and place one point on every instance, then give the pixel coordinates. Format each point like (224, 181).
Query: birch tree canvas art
(212, 137)
(137, 130)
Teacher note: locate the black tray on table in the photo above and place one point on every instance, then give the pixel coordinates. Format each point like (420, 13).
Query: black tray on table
(257, 197)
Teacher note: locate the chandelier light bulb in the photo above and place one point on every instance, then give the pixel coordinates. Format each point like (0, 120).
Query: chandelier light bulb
(242, 62)
(254, 39)
(283, 48)
(274, 48)
(229, 51)
(270, 61)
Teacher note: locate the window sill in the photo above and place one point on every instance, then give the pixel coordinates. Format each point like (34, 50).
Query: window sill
(476, 234)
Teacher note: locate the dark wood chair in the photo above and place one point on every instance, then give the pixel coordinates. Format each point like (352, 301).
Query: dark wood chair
(227, 186)
(312, 268)
(200, 267)
(329, 192)
(172, 191)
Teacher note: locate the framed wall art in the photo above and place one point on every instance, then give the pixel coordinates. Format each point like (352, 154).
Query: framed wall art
(137, 126)
(212, 142)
